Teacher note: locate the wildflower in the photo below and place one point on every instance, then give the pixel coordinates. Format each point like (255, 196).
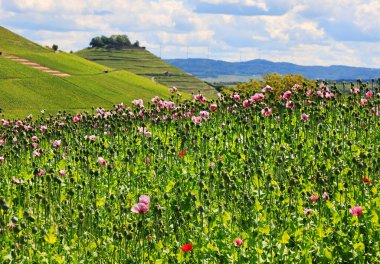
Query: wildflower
(41, 172)
(309, 92)
(57, 143)
(304, 117)
(246, 103)
(1, 159)
(102, 162)
(307, 211)
(256, 97)
(197, 97)
(182, 153)
(148, 134)
(196, 119)
(325, 196)
(356, 90)
(236, 97)
(147, 160)
(140, 208)
(296, 86)
(43, 128)
(288, 104)
(314, 198)
(62, 172)
(287, 95)
(34, 138)
(266, 112)
(203, 99)
(187, 247)
(213, 107)
(266, 89)
(363, 101)
(357, 211)
(75, 119)
(204, 114)
(369, 94)
(14, 139)
(145, 199)
(17, 181)
(367, 180)
(36, 154)
(238, 242)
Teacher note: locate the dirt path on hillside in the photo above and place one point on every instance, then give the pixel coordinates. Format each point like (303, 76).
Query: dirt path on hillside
(36, 66)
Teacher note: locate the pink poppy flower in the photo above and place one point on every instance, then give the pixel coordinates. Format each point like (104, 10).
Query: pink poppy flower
(196, 119)
(213, 107)
(43, 128)
(36, 154)
(266, 112)
(246, 103)
(2, 159)
(304, 117)
(197, 97)
(256, 97)
(314, 198)
(57, 143)
(203, 99)
(140, 208)
(62, 172)
(357, 211)
(238, 242)
(41, 172)
(145, 199)
(356, 90)
(325, 196)
(102, 162)
(17, 181)
(288, 104)
(369, 94)
(34, 138)
(307, 211)
(236, 97)
(309, 92)
(75, 119)
(204, 114)
(148, 134)
(266, 89)
(366, 180)
(363, 101)
(287, 95)
(296, 86)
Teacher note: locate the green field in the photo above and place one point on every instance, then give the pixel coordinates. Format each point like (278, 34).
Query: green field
(144, 63)
(27, 91)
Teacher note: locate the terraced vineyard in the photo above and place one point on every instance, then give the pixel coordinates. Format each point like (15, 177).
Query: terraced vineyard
(26, 90)
(144, 63)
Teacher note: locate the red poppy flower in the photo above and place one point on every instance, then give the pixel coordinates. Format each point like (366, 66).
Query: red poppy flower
(187, 247)
(182, 153)
(367, 180)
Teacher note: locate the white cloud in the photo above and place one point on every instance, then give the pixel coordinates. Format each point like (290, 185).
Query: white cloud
(301, 31)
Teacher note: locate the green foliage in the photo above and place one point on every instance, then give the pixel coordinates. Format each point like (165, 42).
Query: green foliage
(113, 42)
(55, 47)
(279, 83)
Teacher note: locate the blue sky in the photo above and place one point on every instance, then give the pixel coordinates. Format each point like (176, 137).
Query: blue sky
(318, 32)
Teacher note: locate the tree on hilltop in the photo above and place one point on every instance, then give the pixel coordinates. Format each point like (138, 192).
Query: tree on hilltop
(113, 42)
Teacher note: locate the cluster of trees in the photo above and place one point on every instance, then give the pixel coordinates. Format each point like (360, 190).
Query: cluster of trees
(279, 83)
(113, 42)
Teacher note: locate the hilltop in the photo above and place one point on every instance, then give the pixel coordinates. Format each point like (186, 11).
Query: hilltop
(204, 68)
(27, 90)
(143, 63)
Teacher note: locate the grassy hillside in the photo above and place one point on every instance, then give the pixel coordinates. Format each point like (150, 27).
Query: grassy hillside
(25, 90)
(144, 63)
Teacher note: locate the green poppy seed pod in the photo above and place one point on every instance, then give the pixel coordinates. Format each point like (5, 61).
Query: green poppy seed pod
(14, 219)
(34, 230)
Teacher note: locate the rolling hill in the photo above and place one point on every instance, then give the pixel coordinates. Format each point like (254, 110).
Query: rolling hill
(204, 68)
(26, 90)
(143, 63)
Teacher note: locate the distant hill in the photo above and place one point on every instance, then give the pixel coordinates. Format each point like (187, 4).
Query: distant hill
(143, 63)
(26, 90)
(204, 68)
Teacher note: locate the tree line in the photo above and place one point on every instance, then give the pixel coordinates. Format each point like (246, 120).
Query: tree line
(113, 42)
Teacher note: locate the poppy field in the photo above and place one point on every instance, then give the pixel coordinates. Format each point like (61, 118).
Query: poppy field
(241, 179)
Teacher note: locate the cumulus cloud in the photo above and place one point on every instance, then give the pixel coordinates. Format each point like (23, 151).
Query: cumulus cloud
(301, 31)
